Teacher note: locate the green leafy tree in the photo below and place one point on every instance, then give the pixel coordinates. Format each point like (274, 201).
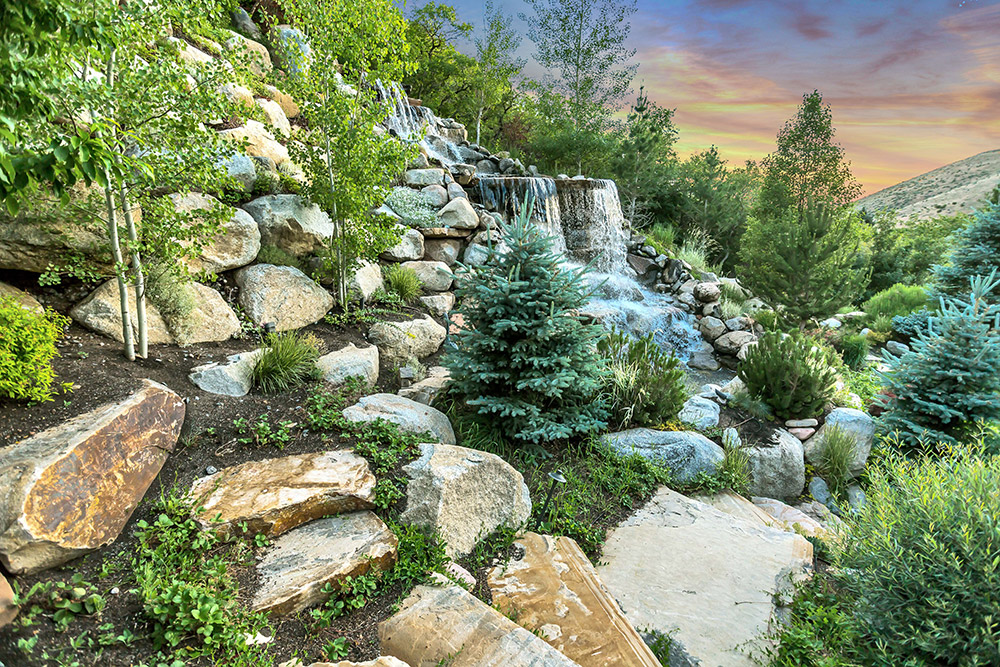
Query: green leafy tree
(349, 160)
(976, 252)
(497, 65)
(524, 358)
(807, 164)
(442, 77)
(804, 260)
(948, 384)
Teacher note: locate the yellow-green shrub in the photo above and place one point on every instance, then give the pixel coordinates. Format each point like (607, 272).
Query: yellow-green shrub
(27, 346)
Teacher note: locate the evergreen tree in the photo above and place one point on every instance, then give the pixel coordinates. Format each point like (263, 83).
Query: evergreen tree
(950, 381)
(524, 358)
(976, 253)
(804, 260)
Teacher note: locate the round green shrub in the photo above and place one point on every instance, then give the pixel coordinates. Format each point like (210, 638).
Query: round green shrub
(288, 360)
(795, 375)
(27, 347)
(403, 282)
(644, 385)
(898, 300)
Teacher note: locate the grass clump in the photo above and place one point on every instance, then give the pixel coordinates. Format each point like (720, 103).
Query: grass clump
(854, 349)
(792, 373)
(27, 347)
(403, 282)
(836, 455)
(644, 385)
(695, 250)
(662, 237)
(271, 254)
(288, 360)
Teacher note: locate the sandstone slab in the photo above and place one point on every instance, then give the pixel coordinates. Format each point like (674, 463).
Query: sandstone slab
(294, 570)
(401, 342)
(408, 415)
(381, 661)
(71, 489)
(350, 361)
(464, 495)
(555, 591)
(685, 453)
(231, 378)
(281, 294)
(276, 495)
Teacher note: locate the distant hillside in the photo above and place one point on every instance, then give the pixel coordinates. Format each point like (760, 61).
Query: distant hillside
(958, 187)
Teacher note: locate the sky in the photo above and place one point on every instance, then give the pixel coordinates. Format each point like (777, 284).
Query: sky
(913, 84)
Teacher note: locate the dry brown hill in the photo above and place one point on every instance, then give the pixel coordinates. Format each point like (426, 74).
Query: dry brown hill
(958, 187)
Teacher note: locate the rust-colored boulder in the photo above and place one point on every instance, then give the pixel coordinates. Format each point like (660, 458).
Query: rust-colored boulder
(71, 489)
(554, 591)
(8, 609)
(276, 495)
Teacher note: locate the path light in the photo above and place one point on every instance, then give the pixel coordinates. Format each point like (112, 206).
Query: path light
(269, 327)
(557, 478)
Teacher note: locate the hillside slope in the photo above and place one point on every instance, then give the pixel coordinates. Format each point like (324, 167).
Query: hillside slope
(958, 187)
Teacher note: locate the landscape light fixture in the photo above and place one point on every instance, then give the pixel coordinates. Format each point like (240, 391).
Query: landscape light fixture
(557, 477)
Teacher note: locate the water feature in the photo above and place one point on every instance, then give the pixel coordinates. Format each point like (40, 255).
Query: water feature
(506, 194)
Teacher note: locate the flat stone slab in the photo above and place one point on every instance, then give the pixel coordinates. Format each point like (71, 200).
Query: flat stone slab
(555, 591)
(449, 626)
(301, 562)
(405, 413)
(679, 565)
(276, 495)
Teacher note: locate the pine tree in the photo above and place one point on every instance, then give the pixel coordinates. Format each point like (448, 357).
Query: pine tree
(524, 358)
(950, 381)
(976, 252)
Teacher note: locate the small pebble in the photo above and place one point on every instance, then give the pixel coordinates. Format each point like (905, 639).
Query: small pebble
(114, 591)
(211, 470)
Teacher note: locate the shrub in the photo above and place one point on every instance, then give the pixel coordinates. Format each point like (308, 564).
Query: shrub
(413, 206)
(836, 452)
(948, 382)
(976, 253)
(921, 559)
(27, 347)
(524, 357)
(696, 249)
(403, 281)
(793, 374)
(768, 319)
(644, 386)
(661, 236)
(854, 350)
(910, 325)
(271, 254)
(898, 300)
(288, 360)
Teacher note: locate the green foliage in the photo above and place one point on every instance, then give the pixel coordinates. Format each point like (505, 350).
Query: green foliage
(854, 350)
(272, 254)
(27, 347)
(418, 556)
(757, 408)
(912, 324)
(793, 374)
(413, 206)
(836, 454)
(261, 433)
(644, 385)
(820, 631)
(403, 282)
(172, 293)
(921, 560)
(733, 473)
(61, 601)
(661, 236)
(976, 253)
(865, 383)
(523, 356)
(659, 643)
(387, 449)
(804, 260)
(948, 382)
(895, 301)
(288, 360)
(695, 250)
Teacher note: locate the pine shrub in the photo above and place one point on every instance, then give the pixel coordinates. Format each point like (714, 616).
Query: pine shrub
(523, 357)
(288, 360)
(898, 300)
(27, 347)
(950, 380)
(976, 253)
(644, 386)
(403, 282)
(792, 373)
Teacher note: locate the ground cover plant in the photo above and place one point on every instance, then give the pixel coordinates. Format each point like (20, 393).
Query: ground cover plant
(288, 360)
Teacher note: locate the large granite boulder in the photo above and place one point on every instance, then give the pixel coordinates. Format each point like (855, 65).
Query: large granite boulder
(232, 378)
(434, 276)
(552, 589)
(410, 246)
(256, 55)
(366, 281)
(241, 169)
(708, 579)
(408, 415)
(101, 312)
(464, 495)
(777, 467)
(419, 178)
(449, 626)
(350, 361)
(700, 412)
(856, 424)
(211, 320)
(276, 495)
(426, 390)
(71, 488)
(401, 342)
(259, 141)
(443, 250)
(287, 222)
(298, 565)
(712, 327)
(458, 214)
(236, 244)
(275, 116)
(685, 453)
(731, 343)
(281, 294)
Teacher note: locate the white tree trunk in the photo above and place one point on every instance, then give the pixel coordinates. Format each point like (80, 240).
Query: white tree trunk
(139, 279)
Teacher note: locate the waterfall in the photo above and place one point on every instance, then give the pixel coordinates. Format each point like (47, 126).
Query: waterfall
(417, 124)
(592, 222)
(505, 194)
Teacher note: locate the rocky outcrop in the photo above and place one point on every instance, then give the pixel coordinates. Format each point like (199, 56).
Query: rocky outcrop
(707, 578)
(237, 242)
(855, 424)
(463, 495)
(552, 589)
(685, 453)
(231, 378)
(436, 626)
(71, 489)
(350, 361)
(408, 415)
(276, 495)
(401, 342)
(287, 222)
(281, 294)
(777, 467)
(299, 564)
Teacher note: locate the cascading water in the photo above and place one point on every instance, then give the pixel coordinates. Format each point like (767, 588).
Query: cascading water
(592, 223)
(506, 194)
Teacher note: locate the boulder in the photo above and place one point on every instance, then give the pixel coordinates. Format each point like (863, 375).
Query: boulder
(231, 378)
(855, 423)
(685, 453)
(292, 45)
(101, 312)
(410, 246)
(299, 564)
(284, 101)
(699, 412)
(449, 626)
(745, 350)
(237, 95)
(462, 173)
(711, 328)
(443, 250)
(241, 169)
(731, 343)
(703, 360)
(257, 57)
(896, 348)
(777, 468)
(350, 361)
(408, 415)
(427, 389)
(366, 281)
(438, 305)
(70, 489)
(237, 242)
(245, 24)
(456, 191)
(281, 294)
(790, 518)
(444, 233)
(437, 195)
(434, 276)
(707, 292)
(553, 590)
(275, 116)
(276, 495)
(463, 495)
(259, 141)
(8, 608)
(23, 299)
(739, 324)
(708, 579)
(188, 54)
(458, 214)
(477, 255)
(212, 319)
(401, 342)
(419, 178)
(286, 221)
